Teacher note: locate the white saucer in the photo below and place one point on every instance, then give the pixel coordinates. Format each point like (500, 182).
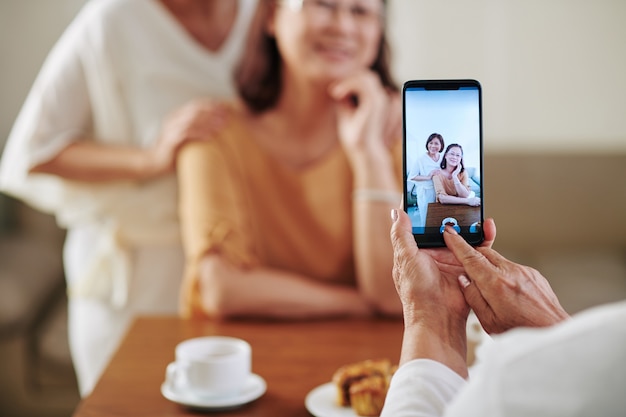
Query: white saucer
(320, 402)
(255, 387)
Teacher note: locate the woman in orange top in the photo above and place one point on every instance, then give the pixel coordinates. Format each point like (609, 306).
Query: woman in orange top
(285, 212)
(451, 182)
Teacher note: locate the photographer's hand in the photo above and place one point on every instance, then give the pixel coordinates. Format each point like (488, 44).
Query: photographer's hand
(503, 294)
(434, 308)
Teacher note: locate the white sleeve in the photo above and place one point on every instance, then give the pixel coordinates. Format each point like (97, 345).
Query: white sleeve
(57, 108)
(56, 112)
(423, 388)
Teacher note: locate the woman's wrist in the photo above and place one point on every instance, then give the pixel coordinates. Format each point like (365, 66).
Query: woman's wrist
(373, 171)
(441, 338)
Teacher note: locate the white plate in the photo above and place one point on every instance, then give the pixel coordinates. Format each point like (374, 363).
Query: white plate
(254, 388)
(320, 402)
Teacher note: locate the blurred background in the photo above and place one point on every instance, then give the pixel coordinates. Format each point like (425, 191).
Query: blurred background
(554, 110)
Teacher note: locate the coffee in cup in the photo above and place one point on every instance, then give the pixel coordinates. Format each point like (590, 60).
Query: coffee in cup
(211, 366)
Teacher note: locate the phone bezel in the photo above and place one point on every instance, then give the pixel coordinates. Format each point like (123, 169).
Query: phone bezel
(434, 238)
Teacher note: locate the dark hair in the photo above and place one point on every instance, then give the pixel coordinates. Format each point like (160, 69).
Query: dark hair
(444, 164)
(434, 136)
(258, 77)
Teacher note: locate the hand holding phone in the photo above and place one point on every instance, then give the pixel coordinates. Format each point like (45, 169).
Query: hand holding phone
(442, 134)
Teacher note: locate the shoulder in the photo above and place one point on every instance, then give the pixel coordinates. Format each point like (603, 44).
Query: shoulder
(228, 137)
(103, 10)
(112, 13)
(113, 8)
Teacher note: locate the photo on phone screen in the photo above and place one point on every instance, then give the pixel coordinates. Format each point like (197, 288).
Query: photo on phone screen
(442, 158)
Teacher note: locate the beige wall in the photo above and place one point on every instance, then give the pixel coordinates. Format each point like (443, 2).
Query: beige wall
(553, 71)
(28, 29)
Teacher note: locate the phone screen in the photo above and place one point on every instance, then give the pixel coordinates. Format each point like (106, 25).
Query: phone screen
(442, 158)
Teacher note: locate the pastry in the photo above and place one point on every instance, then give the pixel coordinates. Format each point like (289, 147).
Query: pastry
(363, 385)
(367, 396)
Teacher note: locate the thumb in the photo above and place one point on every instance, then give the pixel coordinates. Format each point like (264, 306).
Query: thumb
(401, 232)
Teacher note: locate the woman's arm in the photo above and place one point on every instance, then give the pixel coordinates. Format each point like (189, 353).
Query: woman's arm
(451, 199)
(376, 187)
(423, 177)
(260, 292)
(444, 198)
(94, 162)
(375, 194)
(88, 160)
(460, 183)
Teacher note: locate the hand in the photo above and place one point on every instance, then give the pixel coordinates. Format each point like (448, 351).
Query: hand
(473, 201)
(435, 311)
(197, 120)
(456, 172)
(363, 112)
(426, 279)
(503, 294)
(421, 285)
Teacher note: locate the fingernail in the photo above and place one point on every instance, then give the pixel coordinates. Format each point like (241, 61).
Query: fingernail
(394, 215)
(464, 281)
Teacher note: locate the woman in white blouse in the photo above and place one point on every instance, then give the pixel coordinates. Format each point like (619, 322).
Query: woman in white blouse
(421, 174)
(89, 148)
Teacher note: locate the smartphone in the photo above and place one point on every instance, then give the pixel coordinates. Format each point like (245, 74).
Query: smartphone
(443, 159)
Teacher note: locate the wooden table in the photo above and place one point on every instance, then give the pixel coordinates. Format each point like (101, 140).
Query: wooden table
(292, 357)
(464, 214)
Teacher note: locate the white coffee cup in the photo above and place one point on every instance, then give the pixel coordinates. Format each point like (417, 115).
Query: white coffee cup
(212, 366)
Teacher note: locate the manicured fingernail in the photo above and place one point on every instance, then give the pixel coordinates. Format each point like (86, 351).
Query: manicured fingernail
(394, 215)
(463, 281)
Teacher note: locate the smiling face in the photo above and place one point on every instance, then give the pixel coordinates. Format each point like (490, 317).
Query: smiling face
(434, 146)
(453, 156)
(327, 40)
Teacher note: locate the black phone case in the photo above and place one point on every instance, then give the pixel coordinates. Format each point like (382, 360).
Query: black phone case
(432, 235)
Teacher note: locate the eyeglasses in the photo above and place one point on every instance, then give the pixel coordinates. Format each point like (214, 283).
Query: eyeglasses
(362, 14)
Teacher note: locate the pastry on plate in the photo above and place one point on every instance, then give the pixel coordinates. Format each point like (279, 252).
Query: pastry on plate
(367, 396)
(363, 385)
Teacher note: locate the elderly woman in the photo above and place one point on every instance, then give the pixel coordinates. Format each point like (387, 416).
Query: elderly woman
(285, 212)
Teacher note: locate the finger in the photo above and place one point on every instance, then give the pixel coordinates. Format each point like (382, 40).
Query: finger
(402, 238)
(494, 257)
(343, 89)
(359, 85)
(489, 229)
(474, 262)
(473, 296)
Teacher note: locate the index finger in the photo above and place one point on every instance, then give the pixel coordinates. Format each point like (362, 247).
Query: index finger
(474, 262)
